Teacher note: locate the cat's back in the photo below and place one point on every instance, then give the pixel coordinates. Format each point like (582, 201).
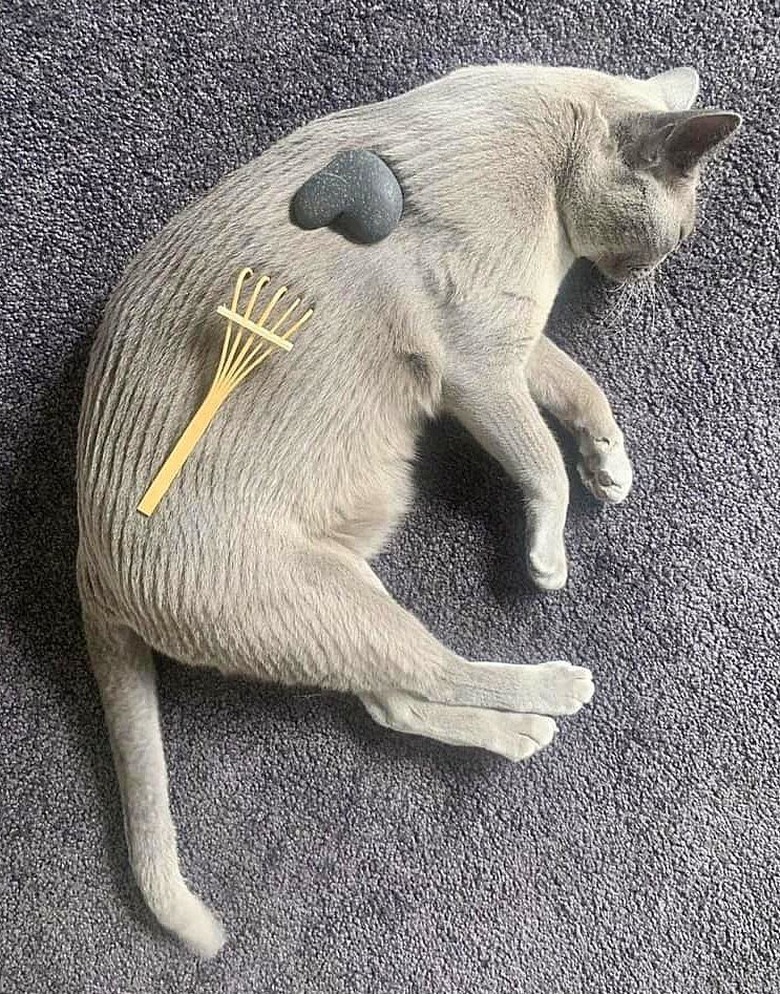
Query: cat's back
(308, 438)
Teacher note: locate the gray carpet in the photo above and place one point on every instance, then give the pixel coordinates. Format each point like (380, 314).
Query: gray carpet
(640, 852)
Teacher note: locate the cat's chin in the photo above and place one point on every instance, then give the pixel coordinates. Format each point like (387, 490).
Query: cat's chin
(622, 272)
(638, 277)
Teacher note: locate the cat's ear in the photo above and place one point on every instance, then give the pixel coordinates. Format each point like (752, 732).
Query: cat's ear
(695, 135)
(677, 89)
(676, 141)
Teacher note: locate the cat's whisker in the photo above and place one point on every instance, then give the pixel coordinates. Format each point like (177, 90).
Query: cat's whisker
(622, 293)
(651, 294)
(642, 286)
(662, 298)
(633, 294)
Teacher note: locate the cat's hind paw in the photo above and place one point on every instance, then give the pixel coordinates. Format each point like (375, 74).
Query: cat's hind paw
(522, 735)
(562, 688)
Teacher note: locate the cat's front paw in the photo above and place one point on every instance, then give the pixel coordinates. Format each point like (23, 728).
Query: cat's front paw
(548, 567)
(605, 469)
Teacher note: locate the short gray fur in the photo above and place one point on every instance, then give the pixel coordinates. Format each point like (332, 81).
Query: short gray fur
(345, 858)
(258, 560)
(357, 192)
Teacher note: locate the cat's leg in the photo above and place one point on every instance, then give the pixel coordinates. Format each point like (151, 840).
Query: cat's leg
(499, 411)
(563, 388)
(315, 618)
(515, 736)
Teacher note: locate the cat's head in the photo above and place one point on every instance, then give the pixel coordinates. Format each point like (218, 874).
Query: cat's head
(630, 195)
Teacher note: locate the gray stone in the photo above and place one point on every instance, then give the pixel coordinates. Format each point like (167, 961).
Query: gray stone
(356, 192)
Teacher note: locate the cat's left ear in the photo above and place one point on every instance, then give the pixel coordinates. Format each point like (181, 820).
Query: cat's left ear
(677, 89)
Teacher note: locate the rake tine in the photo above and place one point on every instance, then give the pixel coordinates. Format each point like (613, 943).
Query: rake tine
(232, 369)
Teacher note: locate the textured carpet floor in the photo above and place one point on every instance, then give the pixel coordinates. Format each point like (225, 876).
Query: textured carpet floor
(639, 853)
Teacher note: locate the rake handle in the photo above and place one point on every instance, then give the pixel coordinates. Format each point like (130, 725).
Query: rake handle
(189, 439)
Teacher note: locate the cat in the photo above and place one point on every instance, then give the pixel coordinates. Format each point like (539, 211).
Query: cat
(257, 560)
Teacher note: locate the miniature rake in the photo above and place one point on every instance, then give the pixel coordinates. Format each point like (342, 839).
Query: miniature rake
(243, 349)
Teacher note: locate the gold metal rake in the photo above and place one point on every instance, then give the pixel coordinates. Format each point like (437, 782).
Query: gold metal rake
(241, 354)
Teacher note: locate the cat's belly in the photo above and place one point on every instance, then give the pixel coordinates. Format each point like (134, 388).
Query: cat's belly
(372, 517)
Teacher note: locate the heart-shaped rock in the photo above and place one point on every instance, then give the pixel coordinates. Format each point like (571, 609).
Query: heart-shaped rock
(356, 192)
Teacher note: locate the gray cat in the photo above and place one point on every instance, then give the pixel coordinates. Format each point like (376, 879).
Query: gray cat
(257, 560)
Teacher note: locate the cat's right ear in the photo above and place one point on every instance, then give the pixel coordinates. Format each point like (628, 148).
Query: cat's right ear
(677, 89)
(696, 135)
(676, 141)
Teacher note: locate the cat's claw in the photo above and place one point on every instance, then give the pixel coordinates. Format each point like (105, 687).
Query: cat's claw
(605, 469)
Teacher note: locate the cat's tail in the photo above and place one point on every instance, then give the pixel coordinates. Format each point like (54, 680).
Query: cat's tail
(124, 669)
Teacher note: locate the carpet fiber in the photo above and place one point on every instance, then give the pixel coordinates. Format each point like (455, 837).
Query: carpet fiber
(640, 852)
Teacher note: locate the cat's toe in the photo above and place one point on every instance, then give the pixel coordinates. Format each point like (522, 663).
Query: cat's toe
(533, 732)
(608, 475)
(567, 687)
(581, 689)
